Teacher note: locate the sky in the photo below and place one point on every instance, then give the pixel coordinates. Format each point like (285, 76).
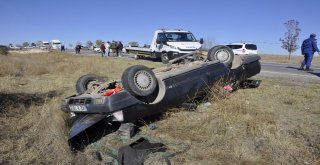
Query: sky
(255, 21)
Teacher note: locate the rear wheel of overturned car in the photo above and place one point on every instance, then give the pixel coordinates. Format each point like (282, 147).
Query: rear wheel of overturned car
(139, 81)
(86, 81)
(221, 53)
(165, 58)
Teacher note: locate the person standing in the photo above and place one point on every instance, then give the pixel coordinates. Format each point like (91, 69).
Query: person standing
(102, 49)
(119, 48)
(308, 48)
(62, 48)
(107, 45)
(78, 47)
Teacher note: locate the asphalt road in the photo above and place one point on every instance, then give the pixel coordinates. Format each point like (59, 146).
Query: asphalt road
(268, 69)
(289, 71)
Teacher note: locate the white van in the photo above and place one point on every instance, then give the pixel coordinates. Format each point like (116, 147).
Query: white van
(243, 48)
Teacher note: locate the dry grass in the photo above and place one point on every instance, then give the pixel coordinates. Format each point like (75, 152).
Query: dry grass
(293, 60)
(277, 123)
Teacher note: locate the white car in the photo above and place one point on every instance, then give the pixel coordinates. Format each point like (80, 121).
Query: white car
(243, 48)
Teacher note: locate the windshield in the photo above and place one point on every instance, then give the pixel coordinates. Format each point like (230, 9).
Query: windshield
(177, 37)
(56, 43)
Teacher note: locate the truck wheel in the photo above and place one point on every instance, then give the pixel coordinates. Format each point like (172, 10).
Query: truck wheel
(165, 58)
(139, 80)
(221, 53)
(84, 81)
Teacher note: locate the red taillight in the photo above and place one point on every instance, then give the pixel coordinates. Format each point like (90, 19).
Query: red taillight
(112, 91)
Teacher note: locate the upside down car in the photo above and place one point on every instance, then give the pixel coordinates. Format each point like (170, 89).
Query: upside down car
(143, 92)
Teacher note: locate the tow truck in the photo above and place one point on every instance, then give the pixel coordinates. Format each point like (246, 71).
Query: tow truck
(167, 45)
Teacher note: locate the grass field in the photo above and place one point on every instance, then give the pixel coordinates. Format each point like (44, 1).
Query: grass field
(277, 123)
(293, 59)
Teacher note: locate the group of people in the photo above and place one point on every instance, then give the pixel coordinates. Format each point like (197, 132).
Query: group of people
(115, 46)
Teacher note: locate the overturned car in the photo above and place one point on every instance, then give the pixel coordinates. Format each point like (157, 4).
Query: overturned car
(144, 92)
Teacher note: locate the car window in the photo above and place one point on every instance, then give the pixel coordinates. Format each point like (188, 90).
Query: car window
(235, 46)
(251, 46)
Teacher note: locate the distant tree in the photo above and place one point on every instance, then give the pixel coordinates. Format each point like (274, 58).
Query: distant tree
(89, 44)
(70, 45)
(291, 37)
(98, 42)
(25, 44)
(33, 44)
(208, 43)
(18, 45)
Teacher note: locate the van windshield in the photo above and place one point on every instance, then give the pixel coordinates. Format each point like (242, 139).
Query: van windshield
(177, 37)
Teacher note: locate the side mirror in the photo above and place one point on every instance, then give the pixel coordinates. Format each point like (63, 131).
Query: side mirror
(201, 41)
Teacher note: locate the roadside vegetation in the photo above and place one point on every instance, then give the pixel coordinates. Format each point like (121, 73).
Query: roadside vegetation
(293, 60)
(277, 123)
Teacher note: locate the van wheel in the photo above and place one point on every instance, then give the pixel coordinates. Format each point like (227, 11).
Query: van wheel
(221, 53)
(85, 81)
(165, 58)
(139, 80)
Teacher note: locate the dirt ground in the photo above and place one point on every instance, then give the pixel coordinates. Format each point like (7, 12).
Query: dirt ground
(276, 123)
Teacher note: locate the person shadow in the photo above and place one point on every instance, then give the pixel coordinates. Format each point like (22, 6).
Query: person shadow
(310, 72)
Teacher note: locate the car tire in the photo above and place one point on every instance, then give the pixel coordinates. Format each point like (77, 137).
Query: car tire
(221, 53)
(139, 81)
(83, 82)
(165, 58)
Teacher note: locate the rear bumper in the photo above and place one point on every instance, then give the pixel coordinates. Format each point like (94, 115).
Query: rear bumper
(99, 104)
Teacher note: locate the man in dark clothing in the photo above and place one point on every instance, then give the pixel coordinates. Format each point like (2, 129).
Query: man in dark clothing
(103, 49)
(119, 48)
(78, 47)
(308, 47)
(62, 48)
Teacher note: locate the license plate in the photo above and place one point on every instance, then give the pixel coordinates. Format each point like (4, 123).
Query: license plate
(78, 108)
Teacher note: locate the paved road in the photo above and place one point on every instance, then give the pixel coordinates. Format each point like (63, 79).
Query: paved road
(268, 69)
(289, 71)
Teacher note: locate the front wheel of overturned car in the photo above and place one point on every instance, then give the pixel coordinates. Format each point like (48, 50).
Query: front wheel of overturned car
(86, 81)
(139, 81)
(221, 53)
(165, 58)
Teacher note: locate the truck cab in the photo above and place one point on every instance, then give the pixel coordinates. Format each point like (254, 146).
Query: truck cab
(55, 44)
(170, 44)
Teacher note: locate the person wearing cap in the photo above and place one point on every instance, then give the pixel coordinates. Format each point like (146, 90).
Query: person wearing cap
(308, 47)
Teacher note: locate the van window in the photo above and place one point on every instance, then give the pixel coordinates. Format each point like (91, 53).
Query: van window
(251, 47)
(235, 46)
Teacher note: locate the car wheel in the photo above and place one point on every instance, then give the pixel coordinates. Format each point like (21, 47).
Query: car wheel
(84, 82)
(165, 58)
(139, 80)
(221, 53)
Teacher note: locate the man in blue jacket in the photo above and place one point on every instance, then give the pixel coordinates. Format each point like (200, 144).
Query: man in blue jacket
(308, 47)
